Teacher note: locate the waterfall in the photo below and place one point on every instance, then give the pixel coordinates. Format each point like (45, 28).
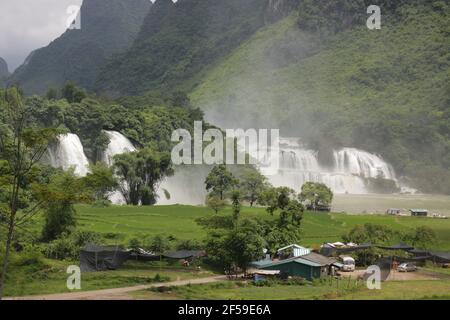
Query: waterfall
(118, 144)
(68, 153)
(347, 173)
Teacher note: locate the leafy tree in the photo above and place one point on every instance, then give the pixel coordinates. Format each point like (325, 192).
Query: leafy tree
(278, 236)
(236, 206)
(292, 213)
(21, 148)
(369, 233)
(252, 184)
(72, 93)
(422, 237)
(316, 195)
(61, 193)
(215, 203)
(276, 198)
(140, 173)
(219, 181)
(52, 94)
(100, 180)
(233, 249)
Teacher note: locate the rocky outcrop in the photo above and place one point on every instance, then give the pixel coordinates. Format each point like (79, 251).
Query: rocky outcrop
(3, 68)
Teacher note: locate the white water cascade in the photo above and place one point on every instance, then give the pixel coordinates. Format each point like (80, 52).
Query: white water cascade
(346, 173)
(68, 153)
(118, 144)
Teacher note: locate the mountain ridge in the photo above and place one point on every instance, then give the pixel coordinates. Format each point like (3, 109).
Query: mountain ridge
(107, 28)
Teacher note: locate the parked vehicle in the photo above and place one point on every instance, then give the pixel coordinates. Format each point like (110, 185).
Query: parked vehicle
(407, 267)
(349, 264)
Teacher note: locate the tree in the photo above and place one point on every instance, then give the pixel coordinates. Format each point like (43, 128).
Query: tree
(316, 195)
(219, 181)
(369, 233)
(100, 180)
(72, 93)
(51, 94)
(159, 244)
(236, 206)
(252, 184)
(276, 198)
(61, 193)
(236, 247)
(140, 173)
(21, 148)
(292, 213)
(215, 203)
(422, 237)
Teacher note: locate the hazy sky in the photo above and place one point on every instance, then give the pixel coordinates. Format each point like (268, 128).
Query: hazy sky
(26, 25)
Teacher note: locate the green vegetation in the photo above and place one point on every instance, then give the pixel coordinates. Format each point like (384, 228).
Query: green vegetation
(326, 290)
(316, 195)
(139, 174)
(385, 91)
(177, 41)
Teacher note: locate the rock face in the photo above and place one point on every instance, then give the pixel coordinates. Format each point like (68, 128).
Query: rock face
(3, 68)
(107, 28)
(278, 9)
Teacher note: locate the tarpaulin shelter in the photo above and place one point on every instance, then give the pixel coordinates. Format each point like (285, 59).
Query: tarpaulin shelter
(400, 246)
(98, 258)
(184, 254)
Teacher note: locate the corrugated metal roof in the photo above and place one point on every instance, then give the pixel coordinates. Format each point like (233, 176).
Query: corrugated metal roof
(319, 259)
(293, 260)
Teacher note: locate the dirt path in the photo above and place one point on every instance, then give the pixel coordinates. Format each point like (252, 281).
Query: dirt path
(117, 293)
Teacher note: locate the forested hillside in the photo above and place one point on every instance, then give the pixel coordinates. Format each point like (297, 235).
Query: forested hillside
(321, 74)
(107, 28)
(178, 40)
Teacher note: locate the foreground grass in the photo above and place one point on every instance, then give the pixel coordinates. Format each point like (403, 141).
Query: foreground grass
(409, 290)
(52, 277)
(119, 224)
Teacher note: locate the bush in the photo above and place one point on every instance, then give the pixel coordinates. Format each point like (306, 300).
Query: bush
(68, 246)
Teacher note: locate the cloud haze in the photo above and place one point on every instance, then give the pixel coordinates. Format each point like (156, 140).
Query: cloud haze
(26, 25)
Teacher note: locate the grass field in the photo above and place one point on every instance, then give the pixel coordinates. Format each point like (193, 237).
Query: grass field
(393, 290)
(119, 224)
(122, 223)
(52, 277)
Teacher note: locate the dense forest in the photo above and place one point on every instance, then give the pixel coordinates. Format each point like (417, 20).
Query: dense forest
(322, 75)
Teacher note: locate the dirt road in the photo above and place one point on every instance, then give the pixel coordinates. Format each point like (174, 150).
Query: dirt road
(117, 293)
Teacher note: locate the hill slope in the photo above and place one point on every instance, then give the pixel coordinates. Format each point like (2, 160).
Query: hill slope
(178, 40)
(4, 73)
(386, 91)
(107, 28)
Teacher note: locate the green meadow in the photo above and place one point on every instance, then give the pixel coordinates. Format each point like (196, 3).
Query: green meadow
(119, 224)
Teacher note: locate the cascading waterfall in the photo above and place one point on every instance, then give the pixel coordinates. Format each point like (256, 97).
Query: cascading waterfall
(298, 164)
(118, 144)
(68, 153)
(347, 173)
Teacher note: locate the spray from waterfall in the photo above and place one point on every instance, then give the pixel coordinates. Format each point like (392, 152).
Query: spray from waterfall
(68, 153)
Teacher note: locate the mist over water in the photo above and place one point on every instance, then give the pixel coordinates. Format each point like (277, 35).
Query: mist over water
(345, 173)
